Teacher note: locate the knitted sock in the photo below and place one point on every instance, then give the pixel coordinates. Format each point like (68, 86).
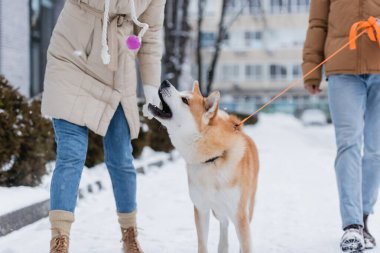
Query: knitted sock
(60, 222)
(127, 220)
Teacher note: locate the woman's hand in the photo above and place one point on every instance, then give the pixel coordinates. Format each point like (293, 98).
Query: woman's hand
(151, 97)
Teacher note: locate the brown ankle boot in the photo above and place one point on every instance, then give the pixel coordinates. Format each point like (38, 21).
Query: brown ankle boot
(130, 242)
(59, 244)
(60, 230)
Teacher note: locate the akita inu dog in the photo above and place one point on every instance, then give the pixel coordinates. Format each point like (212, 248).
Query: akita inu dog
(222, 161)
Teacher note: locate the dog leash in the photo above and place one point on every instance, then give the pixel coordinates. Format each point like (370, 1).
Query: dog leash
(370, 27)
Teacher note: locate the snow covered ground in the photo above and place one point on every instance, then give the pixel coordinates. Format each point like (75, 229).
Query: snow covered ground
(14, 198)
(296, 209)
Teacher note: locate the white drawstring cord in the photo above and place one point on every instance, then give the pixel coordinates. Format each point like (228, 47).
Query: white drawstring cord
(106, 57)
(144, 26)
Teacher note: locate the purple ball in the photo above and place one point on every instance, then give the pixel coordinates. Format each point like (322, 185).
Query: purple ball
(133, 42)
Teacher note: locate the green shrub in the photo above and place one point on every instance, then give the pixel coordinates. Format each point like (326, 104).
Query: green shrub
(158, 139)
(26, 139)
(95, 154)
(152, 134)
(251, 121)
(143, 138)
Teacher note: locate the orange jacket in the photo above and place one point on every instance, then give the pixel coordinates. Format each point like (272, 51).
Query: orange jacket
(329, 27)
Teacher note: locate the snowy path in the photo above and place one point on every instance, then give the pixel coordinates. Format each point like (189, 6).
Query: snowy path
(296, 209)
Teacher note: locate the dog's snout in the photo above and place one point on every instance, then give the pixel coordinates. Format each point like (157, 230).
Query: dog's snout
(165, 84)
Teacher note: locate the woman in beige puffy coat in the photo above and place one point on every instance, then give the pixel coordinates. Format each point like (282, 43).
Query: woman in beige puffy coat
(90, 83)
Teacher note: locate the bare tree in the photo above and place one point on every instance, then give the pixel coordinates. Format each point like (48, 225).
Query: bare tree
(223, 27)
(222, 32)
(201, 11)
(177, 35)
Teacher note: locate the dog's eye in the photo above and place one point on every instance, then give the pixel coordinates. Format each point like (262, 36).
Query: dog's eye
(185, 100)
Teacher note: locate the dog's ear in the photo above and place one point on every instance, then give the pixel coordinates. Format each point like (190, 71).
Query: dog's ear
(211, 106)
(196, 88)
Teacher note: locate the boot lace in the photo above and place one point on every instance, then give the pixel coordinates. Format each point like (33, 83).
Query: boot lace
(60, 245)
(130, 238)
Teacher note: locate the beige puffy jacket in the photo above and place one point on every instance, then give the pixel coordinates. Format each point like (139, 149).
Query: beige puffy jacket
(79, 86)
(329, 27)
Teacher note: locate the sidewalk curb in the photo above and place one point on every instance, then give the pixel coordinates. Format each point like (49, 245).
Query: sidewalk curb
(23, 217)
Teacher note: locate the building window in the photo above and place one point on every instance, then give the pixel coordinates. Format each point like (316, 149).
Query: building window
(251, 7)
(279, 6)
(246, 6)
(253, 39)
(299, 5)
(289, 6)
(232, 3)
(277, 72)
(254, 72)
(207, 39)
(297, 72)
(227, 39)
(230, 72)
(254, 6)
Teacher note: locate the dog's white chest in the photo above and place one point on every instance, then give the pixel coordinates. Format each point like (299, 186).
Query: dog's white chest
(210, 189)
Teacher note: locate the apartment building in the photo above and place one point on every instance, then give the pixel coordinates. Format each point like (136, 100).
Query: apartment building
(262, 52)
(25, 30)
(14, 43)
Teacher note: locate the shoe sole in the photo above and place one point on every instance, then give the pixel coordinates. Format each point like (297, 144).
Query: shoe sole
(369, 247)
(351, 250)
(369, 244)
(352, 246)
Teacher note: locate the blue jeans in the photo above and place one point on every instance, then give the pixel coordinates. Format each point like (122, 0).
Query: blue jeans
(72, 142)
(355, 109)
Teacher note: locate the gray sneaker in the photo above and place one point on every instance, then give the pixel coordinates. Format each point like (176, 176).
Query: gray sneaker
(352, 240)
